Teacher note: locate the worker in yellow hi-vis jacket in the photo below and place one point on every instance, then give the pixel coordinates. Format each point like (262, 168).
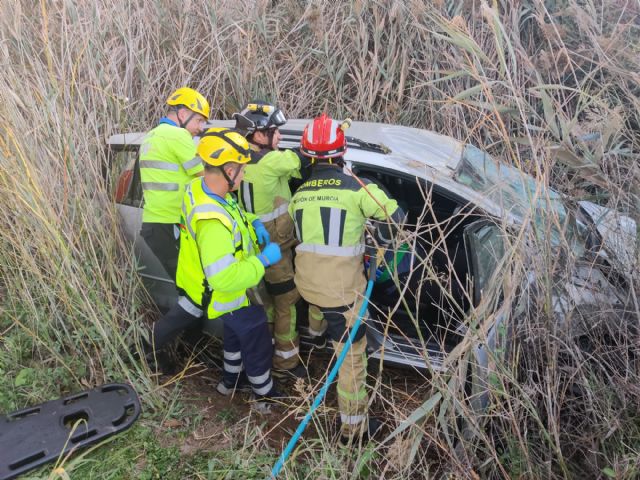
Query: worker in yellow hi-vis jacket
(168, 161)
(265, 192)
(219, 260)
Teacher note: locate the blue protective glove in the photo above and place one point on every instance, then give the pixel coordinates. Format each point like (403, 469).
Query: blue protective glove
(261, 232)
(379, 270)
(270, 254)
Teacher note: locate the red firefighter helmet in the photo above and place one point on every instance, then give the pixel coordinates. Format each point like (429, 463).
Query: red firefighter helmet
(323, 138)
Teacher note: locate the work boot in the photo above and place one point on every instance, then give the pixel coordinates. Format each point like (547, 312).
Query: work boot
(263, 403)
(273, 396)
(161, 363)
(242, 385)
(299, 371)
(373, 427)
(158, 360)
(313, 342)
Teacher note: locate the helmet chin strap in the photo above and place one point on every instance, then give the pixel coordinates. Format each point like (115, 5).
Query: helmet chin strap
(337, 161)
(184, 124)
(230, 181)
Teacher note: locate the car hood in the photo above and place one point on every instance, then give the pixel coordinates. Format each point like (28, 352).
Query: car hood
(619, 236)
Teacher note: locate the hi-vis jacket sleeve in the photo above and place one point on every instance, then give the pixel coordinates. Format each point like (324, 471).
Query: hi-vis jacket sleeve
(185, 152)
(224, 272)
(282, 163)
(373, 199)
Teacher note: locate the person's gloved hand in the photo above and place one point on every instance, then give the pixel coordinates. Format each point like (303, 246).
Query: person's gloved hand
(367, 264)
(270, 254)
(261, 232)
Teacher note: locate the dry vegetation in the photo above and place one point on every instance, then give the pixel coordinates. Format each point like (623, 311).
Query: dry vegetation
(552, 87)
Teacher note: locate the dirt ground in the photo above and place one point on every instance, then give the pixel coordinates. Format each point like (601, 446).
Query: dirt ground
(216, 422)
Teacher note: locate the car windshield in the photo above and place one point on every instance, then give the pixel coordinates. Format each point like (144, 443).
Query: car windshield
(520, 194)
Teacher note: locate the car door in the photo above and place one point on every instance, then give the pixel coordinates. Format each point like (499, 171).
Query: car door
(129, 200)
(485, 248)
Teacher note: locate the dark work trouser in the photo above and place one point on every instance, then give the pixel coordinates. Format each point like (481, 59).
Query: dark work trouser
(161, 239)
(247, 346)
(183, 316)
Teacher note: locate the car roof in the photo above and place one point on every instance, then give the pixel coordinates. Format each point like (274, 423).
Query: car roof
(411, 147)
(411, 151)
(132, 139)
(406, 144)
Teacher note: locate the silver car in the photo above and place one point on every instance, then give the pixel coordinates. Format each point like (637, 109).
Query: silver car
(462, 206)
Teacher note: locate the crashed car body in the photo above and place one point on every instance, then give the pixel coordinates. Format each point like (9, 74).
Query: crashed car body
(472, 200)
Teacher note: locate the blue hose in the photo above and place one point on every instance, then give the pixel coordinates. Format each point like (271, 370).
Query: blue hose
(323, 391)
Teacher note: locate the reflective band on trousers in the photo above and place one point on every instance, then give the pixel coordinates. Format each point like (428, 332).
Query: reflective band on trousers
(232, 355)
(281, 210)
(189, 307)
(167, 187)
(260, 379)
(352, 419)
(219, 265)
(232, 368)
(159, 165)
(263, 390)
(191, 163)
(352, 251)
(225, 307)
(315, 333)
(287, 354)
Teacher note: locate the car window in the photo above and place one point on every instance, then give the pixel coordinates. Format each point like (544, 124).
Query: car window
(123, 159)
(521, 195)
(489, 250)
(128, 189)
(410, 193)
(485, 249)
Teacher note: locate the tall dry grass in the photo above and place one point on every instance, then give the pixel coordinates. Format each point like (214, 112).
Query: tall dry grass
(551, 87)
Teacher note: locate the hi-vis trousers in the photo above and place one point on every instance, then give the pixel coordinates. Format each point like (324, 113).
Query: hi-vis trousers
(353, 399)
(247, 347)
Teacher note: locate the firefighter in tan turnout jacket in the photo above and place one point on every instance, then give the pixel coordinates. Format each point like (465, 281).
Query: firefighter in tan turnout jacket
(265, 192)
(329, 211)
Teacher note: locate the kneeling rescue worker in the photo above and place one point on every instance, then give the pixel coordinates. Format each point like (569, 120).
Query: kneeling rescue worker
(265, 192)
(219, 260)
(329, 211)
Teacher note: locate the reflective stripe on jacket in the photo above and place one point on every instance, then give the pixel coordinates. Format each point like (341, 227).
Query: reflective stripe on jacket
(217, 248)
(329, 211)
(168, 161)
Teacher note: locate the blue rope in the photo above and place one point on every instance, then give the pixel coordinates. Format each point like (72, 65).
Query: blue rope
(334, 371)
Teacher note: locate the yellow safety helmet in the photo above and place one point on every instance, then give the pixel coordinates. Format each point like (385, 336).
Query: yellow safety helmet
(221, 145)
(191, 99)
